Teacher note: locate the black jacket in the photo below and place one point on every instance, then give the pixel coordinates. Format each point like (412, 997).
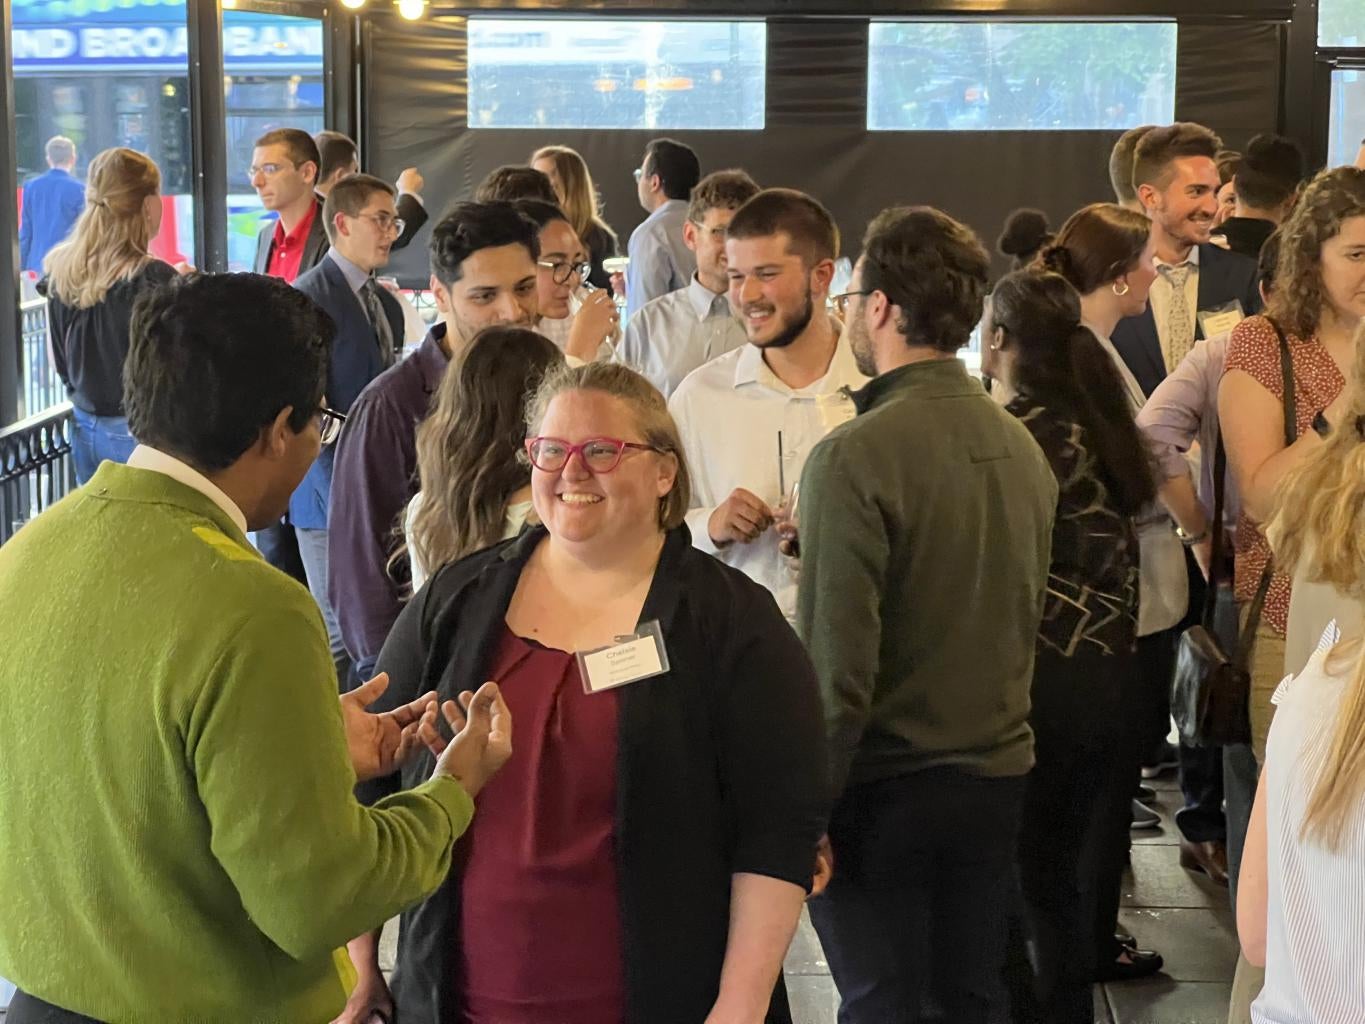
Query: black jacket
(314, 247)
(1223, 276)
(721, 770)
(1246, 235)
(414, 215)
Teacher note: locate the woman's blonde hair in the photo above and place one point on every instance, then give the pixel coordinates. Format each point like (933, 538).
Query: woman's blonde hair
(647, 406)
(468, 448)
(580, 202)
(1320, 516)
(1331, 198)
(110, 239)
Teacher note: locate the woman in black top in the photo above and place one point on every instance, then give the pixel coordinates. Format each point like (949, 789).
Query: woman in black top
(1049, 371)
(703, 855)
(92, 281)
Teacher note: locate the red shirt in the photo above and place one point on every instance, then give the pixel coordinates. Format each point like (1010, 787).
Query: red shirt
(540, 919)
(286, 251)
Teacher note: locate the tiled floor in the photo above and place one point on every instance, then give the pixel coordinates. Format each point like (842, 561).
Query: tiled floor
(1181, 914)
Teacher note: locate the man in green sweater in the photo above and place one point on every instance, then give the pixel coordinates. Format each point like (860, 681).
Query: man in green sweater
(179, 840)
(926, 532)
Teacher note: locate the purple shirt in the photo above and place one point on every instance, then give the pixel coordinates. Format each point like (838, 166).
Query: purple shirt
(373, 479)
(1184, 409)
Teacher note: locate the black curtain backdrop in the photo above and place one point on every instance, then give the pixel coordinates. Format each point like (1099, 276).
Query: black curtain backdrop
(815, 139)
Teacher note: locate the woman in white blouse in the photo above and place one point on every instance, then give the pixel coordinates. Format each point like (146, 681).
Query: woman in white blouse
(1301, 902)
(476, 484)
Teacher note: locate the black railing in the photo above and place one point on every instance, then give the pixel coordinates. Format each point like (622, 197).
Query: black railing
(36, 466)
(42, 387)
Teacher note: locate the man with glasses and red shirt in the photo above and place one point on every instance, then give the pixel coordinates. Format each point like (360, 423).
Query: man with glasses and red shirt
(284, 171)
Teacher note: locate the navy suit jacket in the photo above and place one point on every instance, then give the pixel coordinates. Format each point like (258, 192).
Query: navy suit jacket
(1223, 276)
(354, 363)
(52, 202)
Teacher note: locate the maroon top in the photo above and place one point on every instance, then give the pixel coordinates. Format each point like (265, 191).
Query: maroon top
(540, 921)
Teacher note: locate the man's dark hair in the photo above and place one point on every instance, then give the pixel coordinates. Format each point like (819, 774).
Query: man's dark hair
(349, 196)
(1121, 163)
(512, 182)
(1270, 173)
(466, 228)
(808, 225)
(539, 212)
(935, 269)
(723, 190)
(334, 150)
(299, 144)
(214, 358)
(676, 164)
(1161, 147)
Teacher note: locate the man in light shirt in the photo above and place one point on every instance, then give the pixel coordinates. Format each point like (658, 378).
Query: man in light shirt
(678, 332)
(750, 417)
(659, 260)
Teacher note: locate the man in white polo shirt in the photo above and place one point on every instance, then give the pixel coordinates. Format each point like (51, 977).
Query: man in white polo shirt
(750, 417)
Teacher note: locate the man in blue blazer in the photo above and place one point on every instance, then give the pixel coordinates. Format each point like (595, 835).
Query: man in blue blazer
(52, 202)
(362, 223)
(1199, 285)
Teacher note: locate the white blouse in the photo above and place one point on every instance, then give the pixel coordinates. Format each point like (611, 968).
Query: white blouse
(517, 514)
(1315, 912)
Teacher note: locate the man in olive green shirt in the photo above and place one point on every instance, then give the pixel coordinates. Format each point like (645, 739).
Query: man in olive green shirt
(179, 840)
(925, 533)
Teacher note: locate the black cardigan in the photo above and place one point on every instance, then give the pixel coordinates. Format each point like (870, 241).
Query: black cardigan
(721, 769)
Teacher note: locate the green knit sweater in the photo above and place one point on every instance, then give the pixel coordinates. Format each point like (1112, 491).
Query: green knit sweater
(179, 841)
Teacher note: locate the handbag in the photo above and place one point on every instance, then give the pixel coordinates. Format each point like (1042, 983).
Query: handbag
(1210, 690)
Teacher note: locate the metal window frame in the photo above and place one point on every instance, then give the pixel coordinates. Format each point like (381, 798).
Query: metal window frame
(11, 349)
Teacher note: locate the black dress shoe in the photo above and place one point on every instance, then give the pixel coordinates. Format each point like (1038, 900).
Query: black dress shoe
(1130, 964)
(1211, 858)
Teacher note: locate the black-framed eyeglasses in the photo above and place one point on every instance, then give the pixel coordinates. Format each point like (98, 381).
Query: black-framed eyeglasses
(841, 301)
(599, 454)
(561, 272)
(329, 424)
(385, 222)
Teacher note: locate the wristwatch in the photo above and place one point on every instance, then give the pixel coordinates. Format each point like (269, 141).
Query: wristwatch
(1320, 424)
(1189, 539)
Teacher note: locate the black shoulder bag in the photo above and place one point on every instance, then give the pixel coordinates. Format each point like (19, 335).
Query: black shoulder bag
(1210, 691)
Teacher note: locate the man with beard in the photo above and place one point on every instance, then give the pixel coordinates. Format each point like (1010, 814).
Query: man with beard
(483, 274)
(750, 417)
(926, 533)
(1198, 282)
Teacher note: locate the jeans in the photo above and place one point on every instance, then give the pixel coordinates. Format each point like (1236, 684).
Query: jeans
(97, 439)
(920, 903)
(313, 551)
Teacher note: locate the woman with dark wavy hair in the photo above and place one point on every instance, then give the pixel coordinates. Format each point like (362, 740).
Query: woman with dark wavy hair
(476, 487)
(1051, 373)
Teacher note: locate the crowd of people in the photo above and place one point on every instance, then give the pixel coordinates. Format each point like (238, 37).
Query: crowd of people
(644, 602)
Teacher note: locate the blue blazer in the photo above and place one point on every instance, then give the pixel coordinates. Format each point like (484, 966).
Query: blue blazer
(1223, 276)
(355, 362)
(52, 202)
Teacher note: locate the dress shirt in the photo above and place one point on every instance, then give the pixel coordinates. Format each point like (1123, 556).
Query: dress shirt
(678, 332)
(286, 251)
(1184, 410)
(729, 414)
(1160, 300)
(147, 457)
(660, 261)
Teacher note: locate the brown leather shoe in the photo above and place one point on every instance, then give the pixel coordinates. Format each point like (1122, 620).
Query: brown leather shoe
(1211, 858)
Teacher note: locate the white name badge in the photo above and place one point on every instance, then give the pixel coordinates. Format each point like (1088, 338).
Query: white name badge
(1221, 320)
(630, 659)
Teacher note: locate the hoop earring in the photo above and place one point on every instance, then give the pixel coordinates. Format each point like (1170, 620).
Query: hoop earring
(1115, 288)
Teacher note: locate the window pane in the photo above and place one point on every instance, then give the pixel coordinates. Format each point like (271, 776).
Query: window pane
(1341, 23)
(564, 73)
(274, 79)
(967, 76)
(1347, 132)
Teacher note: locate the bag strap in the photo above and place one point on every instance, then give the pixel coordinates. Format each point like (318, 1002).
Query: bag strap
(1220, 472)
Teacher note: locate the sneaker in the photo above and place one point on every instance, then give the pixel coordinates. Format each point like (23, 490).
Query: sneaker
(1164, 757)
(1144, 817)
(1146, 794)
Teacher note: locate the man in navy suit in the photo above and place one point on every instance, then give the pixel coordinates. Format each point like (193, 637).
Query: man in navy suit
(52, 202)
(1177, 183)
(362, 222)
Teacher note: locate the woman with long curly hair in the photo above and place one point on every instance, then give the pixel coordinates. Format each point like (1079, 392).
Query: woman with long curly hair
(475, 482)
(93, 279)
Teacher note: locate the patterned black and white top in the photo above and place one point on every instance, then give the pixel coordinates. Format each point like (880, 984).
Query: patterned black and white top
(1092, 592)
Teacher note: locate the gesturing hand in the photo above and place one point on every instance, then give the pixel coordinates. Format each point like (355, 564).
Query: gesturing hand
(483, 737)
(741, 517)
(410, 180)
(380, 744)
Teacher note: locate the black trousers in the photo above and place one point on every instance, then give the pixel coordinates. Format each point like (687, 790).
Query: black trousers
(1201, 819)
(27, 1009)
(1082, 762)
(920, 902)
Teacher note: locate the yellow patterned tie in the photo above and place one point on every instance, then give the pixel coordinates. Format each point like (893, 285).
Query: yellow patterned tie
(1179, 323)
